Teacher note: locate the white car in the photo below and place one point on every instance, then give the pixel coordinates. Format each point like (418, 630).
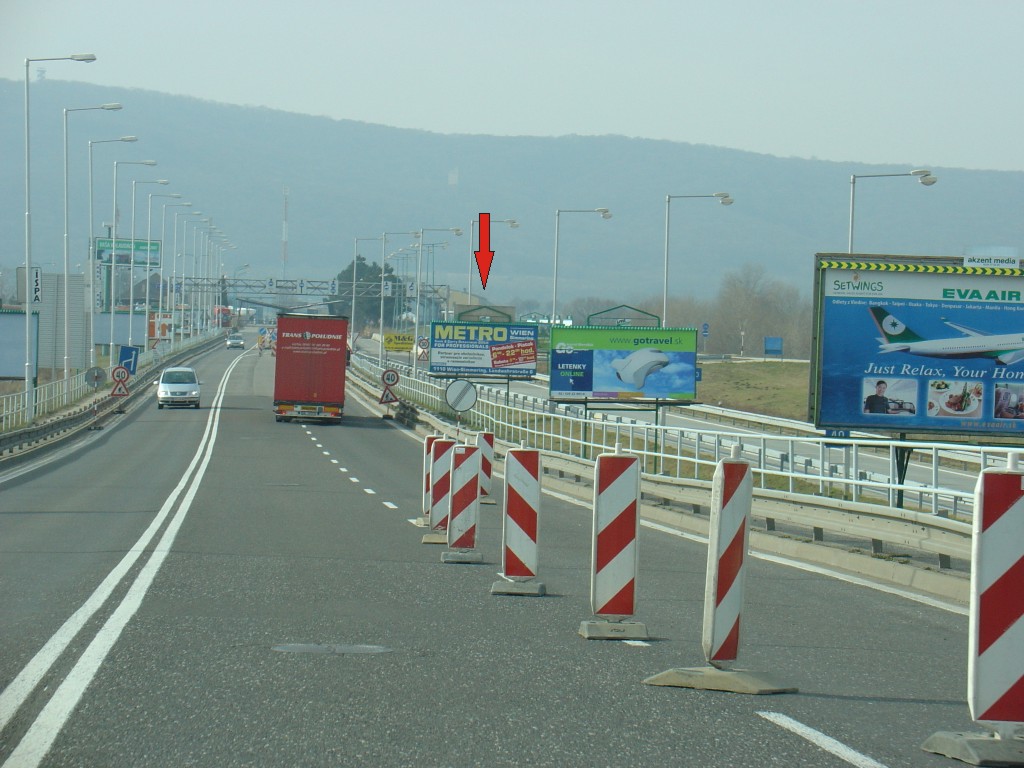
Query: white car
(178, 386)
(236, 341)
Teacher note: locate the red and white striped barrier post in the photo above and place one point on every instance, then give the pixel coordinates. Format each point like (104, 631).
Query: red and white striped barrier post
(428, 441)
(519, 525)
(440, 490)
(613, 560)
(732, 491)
(464, 506)
(995, 664)
(485, 442)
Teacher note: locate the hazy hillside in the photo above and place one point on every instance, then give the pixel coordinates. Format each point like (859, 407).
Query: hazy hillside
(348, 179)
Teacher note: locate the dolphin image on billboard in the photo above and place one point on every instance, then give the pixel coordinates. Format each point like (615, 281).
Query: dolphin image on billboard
(623, 364)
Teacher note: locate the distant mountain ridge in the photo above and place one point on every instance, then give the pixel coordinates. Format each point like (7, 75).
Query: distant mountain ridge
(348, 179)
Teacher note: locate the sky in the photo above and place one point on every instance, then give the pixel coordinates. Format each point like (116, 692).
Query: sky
(929, 83)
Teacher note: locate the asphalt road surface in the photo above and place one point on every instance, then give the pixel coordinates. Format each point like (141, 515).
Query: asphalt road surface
(213, 588)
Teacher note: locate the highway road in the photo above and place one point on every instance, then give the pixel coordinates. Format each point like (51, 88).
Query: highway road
(212, 588)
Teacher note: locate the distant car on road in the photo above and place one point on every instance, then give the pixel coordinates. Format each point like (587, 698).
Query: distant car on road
(236, 341)
(178, 386)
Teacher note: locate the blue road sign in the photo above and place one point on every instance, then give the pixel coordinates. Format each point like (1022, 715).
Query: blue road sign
(128, 357)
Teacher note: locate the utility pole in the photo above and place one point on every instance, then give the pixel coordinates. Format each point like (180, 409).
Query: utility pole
(284, 237)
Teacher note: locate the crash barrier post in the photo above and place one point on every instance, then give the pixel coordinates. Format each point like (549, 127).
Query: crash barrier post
(732, 492)
(995, 662)
(428, 441)
(485, 442)
(519, 525)
(440, 490)
(613, 559)
(463, 506)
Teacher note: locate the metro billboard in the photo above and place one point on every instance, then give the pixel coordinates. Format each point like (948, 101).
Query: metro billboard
(917, 344)
(483, 349)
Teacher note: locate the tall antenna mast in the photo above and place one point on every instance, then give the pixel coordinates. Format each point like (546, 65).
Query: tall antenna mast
(284, 237)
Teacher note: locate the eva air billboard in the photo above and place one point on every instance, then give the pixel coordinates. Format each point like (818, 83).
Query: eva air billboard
(623, 364)
(918, 344)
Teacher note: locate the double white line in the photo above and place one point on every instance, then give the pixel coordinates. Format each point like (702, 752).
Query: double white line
(47, 726)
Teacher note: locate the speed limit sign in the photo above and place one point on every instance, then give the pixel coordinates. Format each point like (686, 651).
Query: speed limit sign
(389, 377)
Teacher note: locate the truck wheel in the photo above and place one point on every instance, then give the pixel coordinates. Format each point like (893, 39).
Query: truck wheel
(196, 406)
(159, 405)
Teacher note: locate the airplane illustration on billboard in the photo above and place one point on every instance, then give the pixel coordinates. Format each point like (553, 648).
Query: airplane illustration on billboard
(1004, 348)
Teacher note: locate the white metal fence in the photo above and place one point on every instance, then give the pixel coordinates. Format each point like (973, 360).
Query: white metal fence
(940, 477)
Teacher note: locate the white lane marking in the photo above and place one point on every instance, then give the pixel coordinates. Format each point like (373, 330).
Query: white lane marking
(354, 479)
(820, 740)
(334, 461)
(389, 505)
(822, 571)
(370, 491)
(636, 643)
(326, 453)
(343, 469)
(15, 694)
(47, 726)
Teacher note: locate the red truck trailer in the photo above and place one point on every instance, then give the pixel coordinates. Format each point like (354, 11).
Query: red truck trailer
(309, 373)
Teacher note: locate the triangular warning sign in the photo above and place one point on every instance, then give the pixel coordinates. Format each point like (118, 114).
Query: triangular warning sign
(120, 389)
(388, 397)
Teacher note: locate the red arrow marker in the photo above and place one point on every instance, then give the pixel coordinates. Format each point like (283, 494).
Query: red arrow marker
(485, 255)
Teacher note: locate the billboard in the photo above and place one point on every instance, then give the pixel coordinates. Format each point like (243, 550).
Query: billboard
(398, 342)
(147, 252)
(917, 344)
(623, 364)
(483, 349)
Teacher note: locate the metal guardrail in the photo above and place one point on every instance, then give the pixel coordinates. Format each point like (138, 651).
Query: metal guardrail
(796, 482)
(62, 407)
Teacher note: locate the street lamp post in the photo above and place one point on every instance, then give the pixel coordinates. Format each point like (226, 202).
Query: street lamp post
(724, 199)
(113, 250)
(174, 272)
(93, 266)
(355, 267)
(149, 229)
(67, 245)
(512, 223)
(383, 262)
(457, 231)
(163, 239)
(923, 175)
(29, 296)
(605, 214)
(131, 262)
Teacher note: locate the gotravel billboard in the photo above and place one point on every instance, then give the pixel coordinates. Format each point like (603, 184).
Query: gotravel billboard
(623, 364)
(917, 344)
(483, 349)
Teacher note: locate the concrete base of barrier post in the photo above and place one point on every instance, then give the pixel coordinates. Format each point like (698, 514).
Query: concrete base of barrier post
(599, 629)
(529, 588)
(462, 556)
(435, 538)
(714, 679)
(976, 748)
